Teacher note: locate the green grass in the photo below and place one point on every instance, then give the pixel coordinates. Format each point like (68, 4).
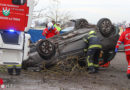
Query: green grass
(3, 68)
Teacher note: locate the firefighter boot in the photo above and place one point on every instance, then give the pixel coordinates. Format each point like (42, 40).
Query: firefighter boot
(10, 71)
(18, 71)
(128, 75)
(91, 70)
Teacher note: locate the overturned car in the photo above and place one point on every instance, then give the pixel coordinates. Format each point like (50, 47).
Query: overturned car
(71, 43)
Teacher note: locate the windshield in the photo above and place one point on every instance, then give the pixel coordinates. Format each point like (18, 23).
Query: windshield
(68, 26)
(19, 2)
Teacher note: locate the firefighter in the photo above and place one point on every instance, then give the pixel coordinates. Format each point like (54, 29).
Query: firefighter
(125, 38)
(17, 69)
(50, 31)
(93, 51)
(57, 26)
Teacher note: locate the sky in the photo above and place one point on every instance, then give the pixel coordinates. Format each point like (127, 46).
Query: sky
(93, 10)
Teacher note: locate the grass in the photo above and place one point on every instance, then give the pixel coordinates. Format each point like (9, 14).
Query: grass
(3, 68)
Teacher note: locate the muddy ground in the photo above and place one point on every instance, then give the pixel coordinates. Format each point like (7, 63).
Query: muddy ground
(112, 78)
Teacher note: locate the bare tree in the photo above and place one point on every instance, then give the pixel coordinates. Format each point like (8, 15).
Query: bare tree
(37, 13)
(52, 12)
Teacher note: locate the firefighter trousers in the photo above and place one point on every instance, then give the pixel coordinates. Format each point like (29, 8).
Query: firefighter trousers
(92, 57)
(17, 69)
(128, 60)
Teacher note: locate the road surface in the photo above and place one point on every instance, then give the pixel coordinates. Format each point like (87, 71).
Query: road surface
(112, 78)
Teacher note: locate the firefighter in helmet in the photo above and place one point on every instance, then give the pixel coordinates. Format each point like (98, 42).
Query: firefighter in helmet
(93, 50)
(125, 38)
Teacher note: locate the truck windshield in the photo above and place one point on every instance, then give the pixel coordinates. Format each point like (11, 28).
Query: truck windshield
(19, 2)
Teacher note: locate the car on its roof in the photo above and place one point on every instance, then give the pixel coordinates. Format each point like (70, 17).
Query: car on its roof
(70, 43)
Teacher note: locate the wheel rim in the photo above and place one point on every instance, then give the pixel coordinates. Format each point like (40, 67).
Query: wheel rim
(106, 26)
(46, 47)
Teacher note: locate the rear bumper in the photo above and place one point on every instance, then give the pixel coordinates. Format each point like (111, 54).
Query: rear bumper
(11, 57)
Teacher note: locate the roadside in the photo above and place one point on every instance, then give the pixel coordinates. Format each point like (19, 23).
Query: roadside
(112, 78)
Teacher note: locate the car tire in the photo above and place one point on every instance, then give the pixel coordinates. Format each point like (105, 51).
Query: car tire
(105, 27)
(45, 49)
(81, 23)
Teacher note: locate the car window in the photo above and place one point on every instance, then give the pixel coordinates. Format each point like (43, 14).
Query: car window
(68, 29)
(19, 2)
(69, 26)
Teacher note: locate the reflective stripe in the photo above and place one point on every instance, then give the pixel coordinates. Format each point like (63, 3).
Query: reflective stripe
(127, 49)
(127, 45)
(119, 41)
(89, 64)
(85, 50)
(118, 44)
(18, 65)
(129, 66)
(94, 46)
(10, 65)
(128, 69)
(85, 40)
(91, 36)
(96, 65)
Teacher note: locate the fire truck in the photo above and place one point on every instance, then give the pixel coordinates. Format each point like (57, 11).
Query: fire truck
(15, 21)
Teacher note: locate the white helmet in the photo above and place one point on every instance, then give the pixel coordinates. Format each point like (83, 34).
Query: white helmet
(50, 25)
(127, 25)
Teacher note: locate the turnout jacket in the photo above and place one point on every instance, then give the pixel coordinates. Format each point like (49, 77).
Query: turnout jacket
(125, 38)
(92, 41)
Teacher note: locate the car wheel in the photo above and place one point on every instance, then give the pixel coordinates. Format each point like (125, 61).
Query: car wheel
(81, 23)
(45, 49)
(105, 27)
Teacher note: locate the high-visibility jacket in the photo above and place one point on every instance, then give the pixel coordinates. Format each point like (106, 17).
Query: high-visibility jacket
(92, 42)
(50, 33)
(57, 27)
(125, 38)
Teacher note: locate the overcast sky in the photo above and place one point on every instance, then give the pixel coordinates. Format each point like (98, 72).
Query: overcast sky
(93, 10)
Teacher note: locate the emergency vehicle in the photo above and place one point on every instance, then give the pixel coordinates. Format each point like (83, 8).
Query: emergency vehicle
(15, 21)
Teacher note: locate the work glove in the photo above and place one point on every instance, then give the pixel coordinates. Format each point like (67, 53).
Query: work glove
(116, 50)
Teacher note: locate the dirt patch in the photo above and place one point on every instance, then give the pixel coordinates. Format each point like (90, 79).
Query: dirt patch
(112, 78)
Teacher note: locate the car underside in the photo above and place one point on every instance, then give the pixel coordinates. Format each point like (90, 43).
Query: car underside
(71, 43)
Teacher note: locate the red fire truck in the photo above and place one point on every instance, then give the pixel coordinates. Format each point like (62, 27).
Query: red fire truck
(15, 20)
